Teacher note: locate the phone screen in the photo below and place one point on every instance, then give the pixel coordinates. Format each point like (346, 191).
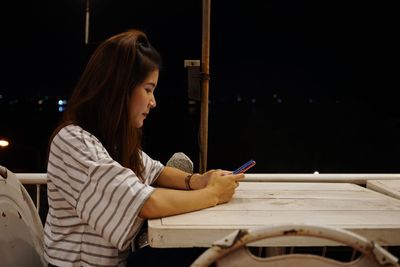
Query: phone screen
(245, 167)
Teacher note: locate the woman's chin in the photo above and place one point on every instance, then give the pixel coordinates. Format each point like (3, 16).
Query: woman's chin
(139, 124)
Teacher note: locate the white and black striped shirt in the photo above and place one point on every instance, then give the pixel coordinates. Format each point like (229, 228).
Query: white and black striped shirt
(94, 202)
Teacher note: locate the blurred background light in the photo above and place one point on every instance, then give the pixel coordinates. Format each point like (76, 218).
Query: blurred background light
(4, 143)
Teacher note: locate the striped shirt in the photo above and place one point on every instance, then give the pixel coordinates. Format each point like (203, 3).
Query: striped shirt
(94, 202)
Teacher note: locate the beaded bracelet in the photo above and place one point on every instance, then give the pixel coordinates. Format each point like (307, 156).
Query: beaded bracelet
(187, 181)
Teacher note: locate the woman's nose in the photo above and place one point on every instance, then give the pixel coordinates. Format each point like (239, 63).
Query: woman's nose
(153, 102)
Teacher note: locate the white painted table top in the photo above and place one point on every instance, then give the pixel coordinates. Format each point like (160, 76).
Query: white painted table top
(387, 187)
(349, 206)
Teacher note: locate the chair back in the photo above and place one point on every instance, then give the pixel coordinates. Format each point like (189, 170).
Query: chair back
(21, 230)
(232, 250)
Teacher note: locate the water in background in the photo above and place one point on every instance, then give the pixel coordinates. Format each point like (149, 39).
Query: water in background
(281, 134)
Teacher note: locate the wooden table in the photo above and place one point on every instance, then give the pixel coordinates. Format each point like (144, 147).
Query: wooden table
(366, 212)
(353, 178)
(387, 187)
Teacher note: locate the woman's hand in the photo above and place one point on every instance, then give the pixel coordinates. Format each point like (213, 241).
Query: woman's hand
(218, 187)
(200, 181)
(222, 184)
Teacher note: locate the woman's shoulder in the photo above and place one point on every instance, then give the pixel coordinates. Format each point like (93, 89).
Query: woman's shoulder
(70, 130)
(73, 131)
(78, 139)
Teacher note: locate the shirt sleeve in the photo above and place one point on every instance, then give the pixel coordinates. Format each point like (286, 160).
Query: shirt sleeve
(152, 168)
(109, 196)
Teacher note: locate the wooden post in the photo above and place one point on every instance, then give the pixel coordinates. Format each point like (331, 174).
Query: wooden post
(205, 56)
(87, 17)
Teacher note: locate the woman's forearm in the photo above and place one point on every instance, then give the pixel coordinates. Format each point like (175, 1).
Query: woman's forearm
(175, 179)
(171, 178)
(215, 187)
(166, 202)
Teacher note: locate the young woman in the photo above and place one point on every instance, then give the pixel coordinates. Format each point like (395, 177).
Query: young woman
(101, 185)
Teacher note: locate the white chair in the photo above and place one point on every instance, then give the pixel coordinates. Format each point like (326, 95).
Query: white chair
(232, 250)
(21, 230)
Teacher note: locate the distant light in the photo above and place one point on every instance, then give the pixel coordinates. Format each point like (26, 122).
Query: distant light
(40, 102)
(4, 143)
(62, 102)
(60, 108)
(238, 99)
(1, 96)
(253, 100)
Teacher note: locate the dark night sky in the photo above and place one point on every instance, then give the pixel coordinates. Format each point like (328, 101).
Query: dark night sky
(316, 79)
(305, 44)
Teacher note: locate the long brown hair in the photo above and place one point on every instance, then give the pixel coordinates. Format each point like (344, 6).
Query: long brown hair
(100, 101)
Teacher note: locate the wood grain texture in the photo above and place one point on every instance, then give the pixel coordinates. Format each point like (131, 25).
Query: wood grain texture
(387, 187)
(369, 213)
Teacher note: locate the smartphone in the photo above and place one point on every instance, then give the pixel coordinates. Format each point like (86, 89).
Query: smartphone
(245, 167)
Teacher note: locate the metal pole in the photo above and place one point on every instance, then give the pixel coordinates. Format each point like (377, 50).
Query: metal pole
(38, 198)
(205, 56)
(87, 23)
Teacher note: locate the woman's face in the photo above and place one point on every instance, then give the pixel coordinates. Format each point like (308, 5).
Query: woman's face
(142, 99)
